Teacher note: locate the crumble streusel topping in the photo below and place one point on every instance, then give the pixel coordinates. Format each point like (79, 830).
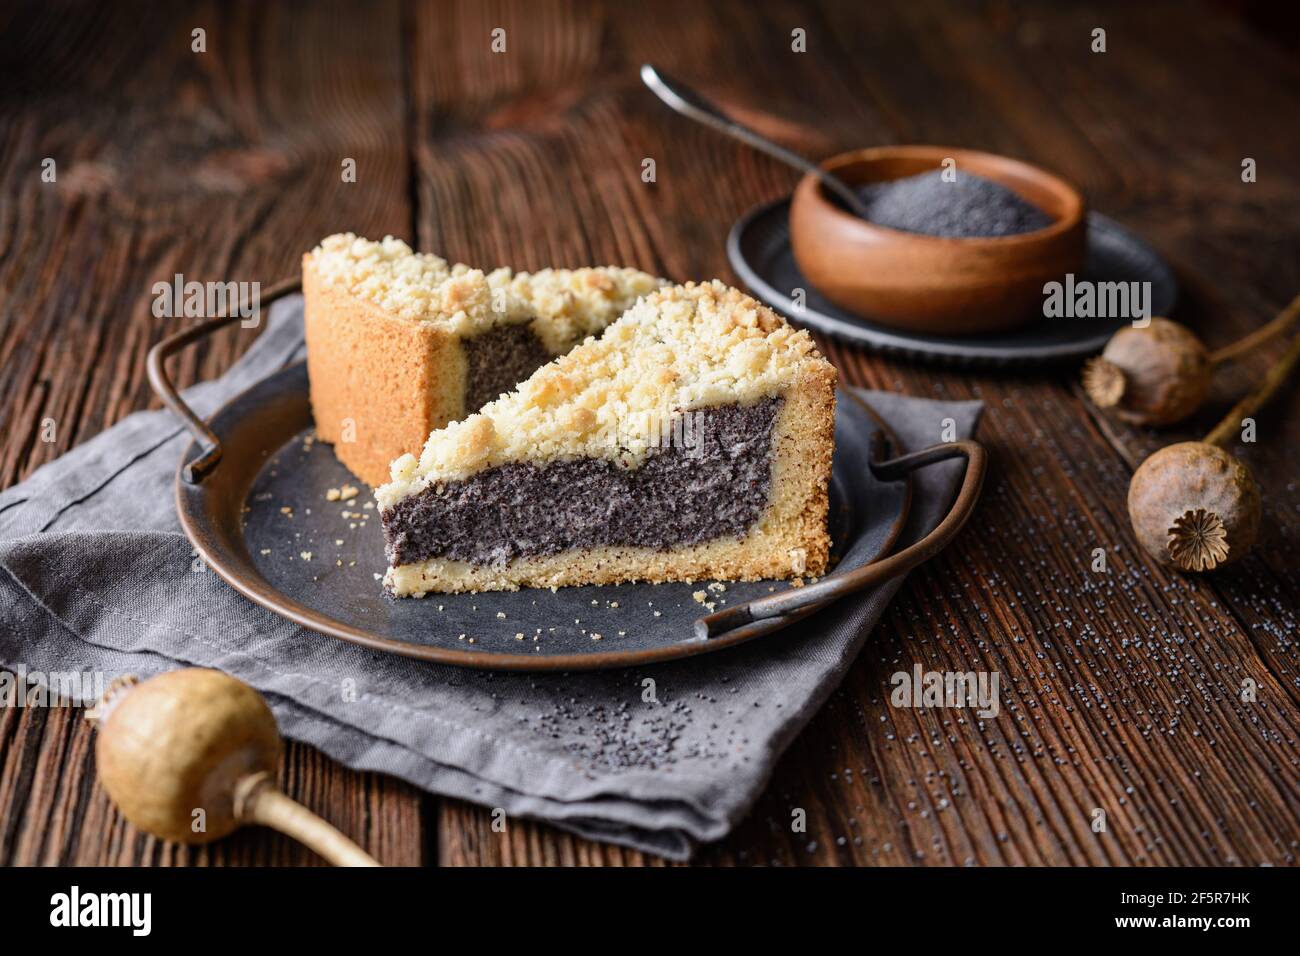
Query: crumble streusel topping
(569, 304)
(680, 348)
(416, 286)
(572, 304)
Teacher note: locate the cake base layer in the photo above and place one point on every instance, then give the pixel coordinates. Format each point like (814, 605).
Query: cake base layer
(725, 559)
(760, 528)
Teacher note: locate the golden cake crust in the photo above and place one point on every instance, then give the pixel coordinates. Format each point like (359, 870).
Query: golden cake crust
(379, 384)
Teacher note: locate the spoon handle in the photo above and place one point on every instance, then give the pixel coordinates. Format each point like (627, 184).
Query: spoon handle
(690, 104)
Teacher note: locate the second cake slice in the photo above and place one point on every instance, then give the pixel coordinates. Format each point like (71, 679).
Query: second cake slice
(400, 343)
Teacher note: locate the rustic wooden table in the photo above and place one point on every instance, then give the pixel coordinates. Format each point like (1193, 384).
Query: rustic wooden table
(1121, 690)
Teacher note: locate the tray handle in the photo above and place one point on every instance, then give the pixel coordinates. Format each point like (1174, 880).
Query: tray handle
(799, 602)
(194, 471)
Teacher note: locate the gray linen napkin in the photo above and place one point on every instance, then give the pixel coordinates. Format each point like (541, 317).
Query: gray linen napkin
(95, 576)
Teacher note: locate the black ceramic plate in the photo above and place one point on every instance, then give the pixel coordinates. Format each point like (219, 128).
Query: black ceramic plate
(262, 520)
(759, 250)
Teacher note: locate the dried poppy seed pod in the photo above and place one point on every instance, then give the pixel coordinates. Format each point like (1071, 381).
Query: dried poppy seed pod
(1152, 375)
(189, 756)
(178, 745)
(1194, 506)
(1160, 373)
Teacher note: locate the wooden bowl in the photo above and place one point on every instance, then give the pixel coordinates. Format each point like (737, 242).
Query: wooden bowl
(933, 284)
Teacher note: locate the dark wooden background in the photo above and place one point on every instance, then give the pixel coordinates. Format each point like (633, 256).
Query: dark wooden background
(1121, 690)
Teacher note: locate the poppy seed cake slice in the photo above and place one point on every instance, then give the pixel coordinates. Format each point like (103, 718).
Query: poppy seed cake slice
(691, 441)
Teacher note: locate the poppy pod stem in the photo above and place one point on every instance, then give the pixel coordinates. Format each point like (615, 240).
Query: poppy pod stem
(1223, 432)
(1254, 340)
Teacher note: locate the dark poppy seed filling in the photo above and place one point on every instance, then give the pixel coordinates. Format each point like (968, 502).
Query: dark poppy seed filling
(499, 359)
(711, 481)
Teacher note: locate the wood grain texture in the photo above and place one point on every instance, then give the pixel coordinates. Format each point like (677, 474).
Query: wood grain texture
(1116, 685)
(218, 165)
(1121, 690)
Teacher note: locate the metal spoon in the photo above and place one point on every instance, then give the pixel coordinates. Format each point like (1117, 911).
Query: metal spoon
(686, 101)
